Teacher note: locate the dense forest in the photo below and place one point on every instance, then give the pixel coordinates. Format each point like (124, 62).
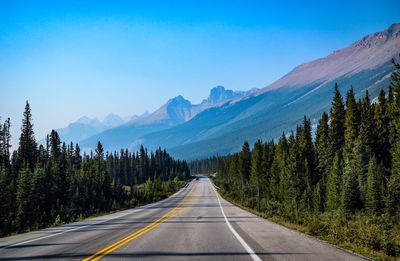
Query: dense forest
(41, 185)
(343, 184)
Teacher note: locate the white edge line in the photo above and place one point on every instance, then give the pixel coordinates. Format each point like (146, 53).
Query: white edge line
(249, 250)
(89, 225)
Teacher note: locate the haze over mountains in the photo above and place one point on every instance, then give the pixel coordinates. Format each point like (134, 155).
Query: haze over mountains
(86, 127)
(221, 123)
(117, 131)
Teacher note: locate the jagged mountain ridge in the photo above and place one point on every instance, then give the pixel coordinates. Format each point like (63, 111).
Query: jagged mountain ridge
(176, 111)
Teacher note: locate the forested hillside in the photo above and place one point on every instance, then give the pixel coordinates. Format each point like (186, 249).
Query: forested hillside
(55, 183)
(343, 186)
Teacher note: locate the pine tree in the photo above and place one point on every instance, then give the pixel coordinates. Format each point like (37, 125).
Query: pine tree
(337, 123)
(23, 203)
(350, 192)
(5, 201)
(367, 134)
(245, 162)
(291, 184)
(256, 170)
(305, 148)
(351, 122)
(323, 154)
(374, 187)
(38, 196)
(5, 143)
(333, 186)
(382, 131)
(318, 199)
(27, 142)
(393, 199)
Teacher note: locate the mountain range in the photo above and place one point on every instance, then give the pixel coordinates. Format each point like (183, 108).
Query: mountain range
(221, 123)
(86, 127)
(116, 132)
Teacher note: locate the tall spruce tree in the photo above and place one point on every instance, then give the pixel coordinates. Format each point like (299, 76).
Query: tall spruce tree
(323, 154)
(351, 122)
(393, 198)
(27, 142)
(245, 162)
(333, 189)
(382, 148)
(256, 176)
(350, 192)
(24, 207)
(337, 122)
(374, 187)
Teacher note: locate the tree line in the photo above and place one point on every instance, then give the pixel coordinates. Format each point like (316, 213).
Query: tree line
(41, 185)
(346, 177)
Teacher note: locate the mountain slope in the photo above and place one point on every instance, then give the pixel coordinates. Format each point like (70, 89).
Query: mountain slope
(307, 90)
(175, 112)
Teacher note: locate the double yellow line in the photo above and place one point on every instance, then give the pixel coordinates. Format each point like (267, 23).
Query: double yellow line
(170, 214)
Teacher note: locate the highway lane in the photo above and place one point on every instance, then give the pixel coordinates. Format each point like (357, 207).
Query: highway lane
(194, 224)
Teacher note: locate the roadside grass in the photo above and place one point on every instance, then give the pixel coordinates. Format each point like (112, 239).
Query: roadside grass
(368, 236)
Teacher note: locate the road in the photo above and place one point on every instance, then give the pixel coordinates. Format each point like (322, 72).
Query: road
(195, 223)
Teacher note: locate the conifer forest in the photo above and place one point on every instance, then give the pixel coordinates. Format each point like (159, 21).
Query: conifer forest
(340, 182)
(42, 185)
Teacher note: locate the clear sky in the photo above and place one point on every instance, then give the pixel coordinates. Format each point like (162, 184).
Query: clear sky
(77, 58)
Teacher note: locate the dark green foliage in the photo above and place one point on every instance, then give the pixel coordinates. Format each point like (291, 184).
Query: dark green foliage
(351, 191)
(23, 204)
(337, 120)
(27, 142)
(334, 185)
(45, 185)
(245, 162)
(345, 185)
(394, 184)
(374, 202)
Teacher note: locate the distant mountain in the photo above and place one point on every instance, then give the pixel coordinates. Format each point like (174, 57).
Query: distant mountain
(86, 127)
(81, 129)
(113, 120)
(176, 111)
(306, 90)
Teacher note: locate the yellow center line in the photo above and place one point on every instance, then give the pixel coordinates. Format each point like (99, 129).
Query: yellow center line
(169, 215)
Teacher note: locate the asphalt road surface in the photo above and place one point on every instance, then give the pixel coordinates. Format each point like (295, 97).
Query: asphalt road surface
(195, 223)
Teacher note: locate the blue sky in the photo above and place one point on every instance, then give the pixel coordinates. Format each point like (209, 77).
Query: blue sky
(91, 58)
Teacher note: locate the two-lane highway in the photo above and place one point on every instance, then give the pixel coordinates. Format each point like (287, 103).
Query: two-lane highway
(195, 223)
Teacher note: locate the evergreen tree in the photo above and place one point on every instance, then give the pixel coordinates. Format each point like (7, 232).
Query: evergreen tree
(23, 199)
(5, 201)
(323, 154)
(333, 186)
(367, 135)
(5, 143)
(351, 122)
(337, 122)
(351, 192)
(256, 170)
(245, 162)
(394, 184)
(381, 118)
(27, 142)
(38, 196)
(374, 187)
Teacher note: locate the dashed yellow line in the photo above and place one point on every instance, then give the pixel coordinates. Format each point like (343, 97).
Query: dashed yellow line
(170, 214)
